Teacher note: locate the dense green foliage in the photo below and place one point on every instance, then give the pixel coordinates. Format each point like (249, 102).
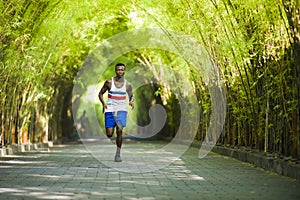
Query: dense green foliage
(254, 43)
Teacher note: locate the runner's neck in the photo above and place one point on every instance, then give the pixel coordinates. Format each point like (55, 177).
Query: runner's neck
(119, 81)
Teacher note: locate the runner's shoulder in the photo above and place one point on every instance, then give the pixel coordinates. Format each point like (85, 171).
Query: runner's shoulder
(108, 83)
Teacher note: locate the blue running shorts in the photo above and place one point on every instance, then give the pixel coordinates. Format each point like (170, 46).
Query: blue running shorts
(114, 118)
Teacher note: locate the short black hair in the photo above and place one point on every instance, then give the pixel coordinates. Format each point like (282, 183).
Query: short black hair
(120, 64)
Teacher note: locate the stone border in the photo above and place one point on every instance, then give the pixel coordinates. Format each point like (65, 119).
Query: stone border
(280, 166)
(270, 163)
(16, 149)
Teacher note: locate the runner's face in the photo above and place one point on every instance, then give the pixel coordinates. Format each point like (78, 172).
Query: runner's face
(120, 71)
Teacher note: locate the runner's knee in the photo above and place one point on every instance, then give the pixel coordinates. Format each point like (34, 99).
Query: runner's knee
(109, 133)
(119, 130)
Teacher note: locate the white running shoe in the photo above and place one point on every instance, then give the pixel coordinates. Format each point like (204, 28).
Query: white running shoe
(118, 158)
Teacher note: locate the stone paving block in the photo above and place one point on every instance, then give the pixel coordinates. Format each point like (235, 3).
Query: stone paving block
(9, 151)
(2, 152)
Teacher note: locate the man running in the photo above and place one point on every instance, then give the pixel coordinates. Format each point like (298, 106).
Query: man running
(116, 108)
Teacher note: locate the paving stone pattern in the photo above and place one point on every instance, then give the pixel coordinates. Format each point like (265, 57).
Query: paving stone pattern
(71, 172)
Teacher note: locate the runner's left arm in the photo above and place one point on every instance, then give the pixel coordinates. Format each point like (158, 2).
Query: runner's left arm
(130, 95)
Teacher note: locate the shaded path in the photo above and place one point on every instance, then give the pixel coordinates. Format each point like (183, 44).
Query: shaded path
(71, 172)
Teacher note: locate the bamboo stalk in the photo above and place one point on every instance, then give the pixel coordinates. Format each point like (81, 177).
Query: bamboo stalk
(267, 125)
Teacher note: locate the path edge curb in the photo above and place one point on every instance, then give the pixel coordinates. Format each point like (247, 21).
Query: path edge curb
(280, 166)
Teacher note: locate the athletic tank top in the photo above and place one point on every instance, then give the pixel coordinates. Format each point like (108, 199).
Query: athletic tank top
(116, 98)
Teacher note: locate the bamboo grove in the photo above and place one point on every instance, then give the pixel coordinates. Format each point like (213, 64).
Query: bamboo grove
(255, 45)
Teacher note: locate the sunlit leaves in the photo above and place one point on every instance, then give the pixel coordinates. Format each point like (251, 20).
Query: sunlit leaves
(44, 43)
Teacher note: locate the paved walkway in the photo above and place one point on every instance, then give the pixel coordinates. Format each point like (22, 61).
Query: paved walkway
(72, 172)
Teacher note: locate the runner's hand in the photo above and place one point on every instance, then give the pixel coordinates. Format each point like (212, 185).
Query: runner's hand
(104, 107)
(131, 104)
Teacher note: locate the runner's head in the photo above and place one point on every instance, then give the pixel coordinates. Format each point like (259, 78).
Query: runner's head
(120, 69)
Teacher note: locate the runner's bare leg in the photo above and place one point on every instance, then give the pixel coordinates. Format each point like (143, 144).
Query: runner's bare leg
(119, 142)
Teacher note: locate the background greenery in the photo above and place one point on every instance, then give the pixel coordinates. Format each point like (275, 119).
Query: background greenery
(255, 45)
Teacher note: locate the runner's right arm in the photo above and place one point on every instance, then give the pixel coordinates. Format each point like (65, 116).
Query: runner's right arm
(106, 86)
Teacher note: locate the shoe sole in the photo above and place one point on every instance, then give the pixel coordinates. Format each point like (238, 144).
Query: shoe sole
(118, 160)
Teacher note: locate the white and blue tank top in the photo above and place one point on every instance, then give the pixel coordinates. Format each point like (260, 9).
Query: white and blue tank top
(116, 98)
